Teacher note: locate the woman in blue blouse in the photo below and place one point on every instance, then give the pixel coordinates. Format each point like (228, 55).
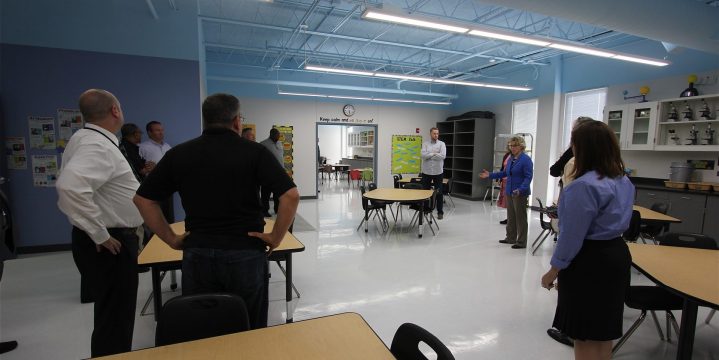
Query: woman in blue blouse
(519, 175)
(591, 261)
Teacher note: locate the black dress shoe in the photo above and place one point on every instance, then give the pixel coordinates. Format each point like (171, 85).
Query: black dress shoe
(503, 222)
(560, 337)
(6, 346)
(505, 241)
(517, 246)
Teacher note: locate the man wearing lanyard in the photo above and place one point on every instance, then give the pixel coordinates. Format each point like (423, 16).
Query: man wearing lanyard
(433, 154)
(95, 190)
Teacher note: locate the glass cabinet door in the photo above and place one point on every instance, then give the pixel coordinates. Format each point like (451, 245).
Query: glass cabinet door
(615, 120)
(642, 126)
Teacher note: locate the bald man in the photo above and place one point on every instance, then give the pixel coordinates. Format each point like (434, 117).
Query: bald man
(95, 190)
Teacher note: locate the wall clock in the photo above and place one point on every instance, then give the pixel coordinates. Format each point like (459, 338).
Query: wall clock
(348, 110)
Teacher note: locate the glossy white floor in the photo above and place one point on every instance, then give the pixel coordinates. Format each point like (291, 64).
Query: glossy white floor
(481, 298)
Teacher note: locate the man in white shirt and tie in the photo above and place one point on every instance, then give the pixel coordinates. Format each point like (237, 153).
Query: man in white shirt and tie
(95, 190)
(152, 150)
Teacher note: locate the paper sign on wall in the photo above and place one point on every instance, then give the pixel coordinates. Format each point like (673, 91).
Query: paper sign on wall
(42, 132)
(16, 153)
(286, 133)
(69, 121)
(44, 170)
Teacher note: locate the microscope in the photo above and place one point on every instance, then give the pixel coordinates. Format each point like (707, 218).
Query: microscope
(693, 136)
(705, 113)
(673, 136)
(709, 133)
(673, 114)
(688, 113)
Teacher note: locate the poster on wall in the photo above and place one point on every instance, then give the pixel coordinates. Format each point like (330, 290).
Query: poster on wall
(16, 153)
(68, 122)
(286, 140)
(406, 154)
(44, 170)
(42, 132)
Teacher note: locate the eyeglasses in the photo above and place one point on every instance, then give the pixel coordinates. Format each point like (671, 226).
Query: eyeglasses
(515, 145)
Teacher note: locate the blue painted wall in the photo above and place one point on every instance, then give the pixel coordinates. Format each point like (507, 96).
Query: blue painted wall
(37, 81)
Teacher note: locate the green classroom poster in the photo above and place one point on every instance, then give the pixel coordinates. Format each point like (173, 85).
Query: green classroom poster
(406, 151)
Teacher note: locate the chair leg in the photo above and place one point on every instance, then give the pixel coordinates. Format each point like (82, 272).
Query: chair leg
(656, 322)
(534, 249)
(671, 319)
(538, 236)
(629, 332)
(709, 317)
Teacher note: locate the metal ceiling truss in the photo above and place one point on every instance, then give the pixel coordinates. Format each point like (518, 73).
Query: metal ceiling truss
(330, 33)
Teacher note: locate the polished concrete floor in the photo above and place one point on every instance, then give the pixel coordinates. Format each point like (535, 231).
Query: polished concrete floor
(481, 298)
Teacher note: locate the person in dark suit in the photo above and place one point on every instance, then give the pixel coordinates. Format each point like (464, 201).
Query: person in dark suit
(7, 250)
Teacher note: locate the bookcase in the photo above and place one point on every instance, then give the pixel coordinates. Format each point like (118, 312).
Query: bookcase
(469, 150)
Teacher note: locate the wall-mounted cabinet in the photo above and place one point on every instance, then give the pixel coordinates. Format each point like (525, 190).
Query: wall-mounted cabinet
(362, 138)
(688, 124)
(634, 124)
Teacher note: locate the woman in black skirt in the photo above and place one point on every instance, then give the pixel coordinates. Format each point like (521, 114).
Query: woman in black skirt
(591, 261)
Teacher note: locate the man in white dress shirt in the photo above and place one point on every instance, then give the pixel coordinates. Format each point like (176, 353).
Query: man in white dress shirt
(152, 150)
(434, 152)
(95, 190)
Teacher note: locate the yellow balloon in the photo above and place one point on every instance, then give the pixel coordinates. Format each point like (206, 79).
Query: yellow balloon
(644, 90)
(692, 78)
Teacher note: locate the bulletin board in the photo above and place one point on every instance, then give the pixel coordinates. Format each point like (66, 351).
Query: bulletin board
(406, 154)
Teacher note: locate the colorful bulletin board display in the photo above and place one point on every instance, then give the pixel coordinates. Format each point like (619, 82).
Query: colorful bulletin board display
(44, 173)
(406, 154)
(69, 121)
(286, 140)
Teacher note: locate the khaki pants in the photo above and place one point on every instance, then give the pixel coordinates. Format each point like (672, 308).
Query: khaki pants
(517, 220)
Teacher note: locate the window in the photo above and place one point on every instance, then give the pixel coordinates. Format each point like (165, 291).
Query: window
(581, 103)
(524, 120)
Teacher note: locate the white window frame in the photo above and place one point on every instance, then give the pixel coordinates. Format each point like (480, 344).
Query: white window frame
(570, 115)
(515, 104)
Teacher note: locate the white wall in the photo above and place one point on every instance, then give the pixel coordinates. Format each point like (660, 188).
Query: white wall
(330, 143)
(304, 115)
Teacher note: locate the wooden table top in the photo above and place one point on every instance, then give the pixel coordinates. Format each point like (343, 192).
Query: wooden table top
(391, 194)
(157, 251)
(342, 336)
(648, 214)
(693, 272)
(407, 180)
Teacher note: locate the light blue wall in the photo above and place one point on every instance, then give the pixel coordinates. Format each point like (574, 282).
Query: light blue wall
(112, 26)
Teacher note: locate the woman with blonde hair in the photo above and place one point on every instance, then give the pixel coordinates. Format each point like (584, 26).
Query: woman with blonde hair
(518, 173)
(591, 261)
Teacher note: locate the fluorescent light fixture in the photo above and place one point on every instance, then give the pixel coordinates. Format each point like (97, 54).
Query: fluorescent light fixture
(642, 60)
(415, 78)
(403, 77)
(506, 37)
(382, 16)
(339, 71)
(402, 18)
(582, 50)
(280, 92)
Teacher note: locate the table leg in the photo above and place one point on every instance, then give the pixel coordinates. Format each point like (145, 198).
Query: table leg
(686, 330)
(157, 291)
(366, 217)
(421, 217)
(288, 288)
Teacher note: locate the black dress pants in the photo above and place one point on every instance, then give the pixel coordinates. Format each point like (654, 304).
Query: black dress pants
(265, 197)
(113, 282)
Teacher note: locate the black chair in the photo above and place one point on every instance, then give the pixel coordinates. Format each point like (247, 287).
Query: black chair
(409, 186)
(652, 229)
(428, 207)
(655, 298)
(373, 210)
(634, 230)
(372, 186)
(447, 191)
(199, 316)
(395, 179)
(547, 228)
(405, 344)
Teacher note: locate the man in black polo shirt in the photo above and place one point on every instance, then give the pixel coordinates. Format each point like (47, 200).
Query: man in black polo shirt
(218, 176)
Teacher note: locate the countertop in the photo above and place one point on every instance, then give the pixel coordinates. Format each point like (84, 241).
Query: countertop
(658, 184)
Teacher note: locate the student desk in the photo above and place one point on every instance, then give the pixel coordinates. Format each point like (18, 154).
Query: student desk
(396, 195)
(342, 336)
(161, 257)
(690, 273)
(649, 215)
(408, 180)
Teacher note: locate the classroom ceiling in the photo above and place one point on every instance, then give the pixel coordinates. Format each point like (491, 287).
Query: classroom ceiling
(282, 36)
